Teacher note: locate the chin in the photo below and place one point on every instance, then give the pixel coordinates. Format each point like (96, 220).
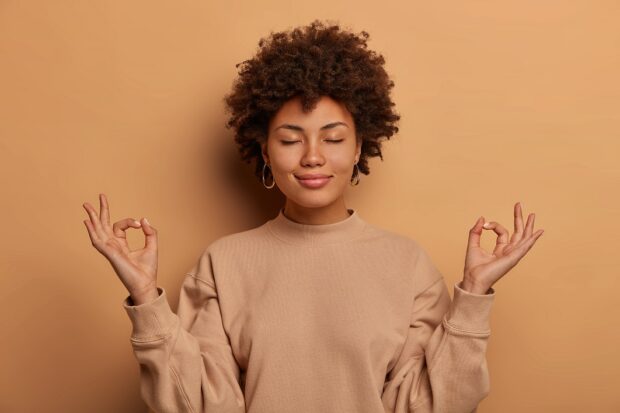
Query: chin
(313, 200)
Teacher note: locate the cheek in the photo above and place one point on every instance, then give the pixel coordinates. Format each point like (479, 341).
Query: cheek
(284, 161)
(341, 162)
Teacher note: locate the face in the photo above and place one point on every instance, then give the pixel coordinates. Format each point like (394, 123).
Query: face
(320, 142)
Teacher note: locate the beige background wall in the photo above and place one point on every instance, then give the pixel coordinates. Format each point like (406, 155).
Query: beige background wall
(500, 102)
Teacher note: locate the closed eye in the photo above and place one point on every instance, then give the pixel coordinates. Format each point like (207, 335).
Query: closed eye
(327, 140)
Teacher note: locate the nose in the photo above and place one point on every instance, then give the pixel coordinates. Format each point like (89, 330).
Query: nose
(312, 155)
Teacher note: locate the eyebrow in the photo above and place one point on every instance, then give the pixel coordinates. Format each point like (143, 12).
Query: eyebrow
(299, 128)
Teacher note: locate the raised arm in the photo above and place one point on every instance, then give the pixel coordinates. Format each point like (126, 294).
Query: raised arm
(442, 367)
(186, 361)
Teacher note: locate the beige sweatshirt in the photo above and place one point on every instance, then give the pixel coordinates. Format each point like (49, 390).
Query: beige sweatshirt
(295, 318)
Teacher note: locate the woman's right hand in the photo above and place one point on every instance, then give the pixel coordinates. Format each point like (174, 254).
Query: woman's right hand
(137, 269)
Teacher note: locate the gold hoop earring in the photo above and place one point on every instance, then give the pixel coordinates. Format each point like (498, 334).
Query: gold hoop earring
(356, 179)
(273, 183)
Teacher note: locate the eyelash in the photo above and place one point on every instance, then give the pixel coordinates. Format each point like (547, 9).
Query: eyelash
(329, 140)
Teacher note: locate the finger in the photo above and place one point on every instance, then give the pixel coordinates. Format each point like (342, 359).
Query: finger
(94, 217)
(502, 234)
(105, 211)
(531, 240)
(520, 251)
(529, 226)
(518, 217)
(474, 234)
(150, 234)
(92, 234)
(119, 227)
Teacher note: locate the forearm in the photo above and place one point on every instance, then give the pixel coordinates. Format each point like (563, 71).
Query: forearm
(177, 373)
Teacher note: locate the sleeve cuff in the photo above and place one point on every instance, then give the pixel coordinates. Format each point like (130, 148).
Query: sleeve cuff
(470, 313)
(152, 320)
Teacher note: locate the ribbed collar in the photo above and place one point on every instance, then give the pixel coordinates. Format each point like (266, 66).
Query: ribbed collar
(316, 234)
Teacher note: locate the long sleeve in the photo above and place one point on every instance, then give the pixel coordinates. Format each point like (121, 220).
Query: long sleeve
(442, 367)
(186, 361)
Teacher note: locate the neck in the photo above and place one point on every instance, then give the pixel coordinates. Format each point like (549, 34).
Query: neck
(294, 232)
(329, 214)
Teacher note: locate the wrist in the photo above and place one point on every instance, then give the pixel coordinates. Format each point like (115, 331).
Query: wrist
(144, 296)
(474, 288)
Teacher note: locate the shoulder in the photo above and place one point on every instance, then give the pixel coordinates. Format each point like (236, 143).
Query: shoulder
(223, 252)
(393, 239)
(416, 255)
(237, 241)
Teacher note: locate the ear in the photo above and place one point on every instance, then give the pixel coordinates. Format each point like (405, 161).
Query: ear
(358, 149)
(264, 152)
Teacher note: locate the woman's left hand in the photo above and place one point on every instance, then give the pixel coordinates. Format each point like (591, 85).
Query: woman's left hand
(483, 269)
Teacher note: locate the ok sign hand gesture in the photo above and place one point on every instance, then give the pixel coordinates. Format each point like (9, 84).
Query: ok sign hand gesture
(137, 269)
(483, 269)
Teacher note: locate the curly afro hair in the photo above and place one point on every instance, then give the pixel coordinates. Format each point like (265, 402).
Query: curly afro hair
(309, 62)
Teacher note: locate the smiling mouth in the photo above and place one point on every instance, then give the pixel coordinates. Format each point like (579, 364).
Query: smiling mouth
(314, 182)
(311, 176)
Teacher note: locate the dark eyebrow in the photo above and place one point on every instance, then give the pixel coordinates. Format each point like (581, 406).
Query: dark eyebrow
(299, 128)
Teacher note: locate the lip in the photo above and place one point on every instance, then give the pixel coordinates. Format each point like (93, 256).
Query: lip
(312, 176)
(313, 183)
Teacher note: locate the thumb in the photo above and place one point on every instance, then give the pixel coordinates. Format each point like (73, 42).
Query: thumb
(150, 234)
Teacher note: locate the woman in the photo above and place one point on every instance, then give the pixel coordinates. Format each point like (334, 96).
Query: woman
(316, 310)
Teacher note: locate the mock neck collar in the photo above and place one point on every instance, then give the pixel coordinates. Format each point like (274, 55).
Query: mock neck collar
(316, 234)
